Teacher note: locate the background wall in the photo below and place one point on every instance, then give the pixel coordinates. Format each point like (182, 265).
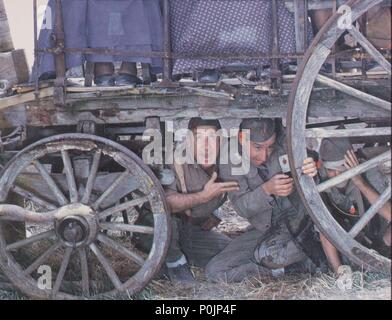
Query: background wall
(20, 18)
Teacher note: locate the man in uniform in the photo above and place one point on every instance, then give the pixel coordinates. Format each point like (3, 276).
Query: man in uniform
(267, 199)
(193, 198)
(348, 200)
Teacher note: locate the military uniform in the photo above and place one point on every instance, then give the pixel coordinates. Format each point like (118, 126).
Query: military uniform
(269, 246)
(348, 204)
(188, 234)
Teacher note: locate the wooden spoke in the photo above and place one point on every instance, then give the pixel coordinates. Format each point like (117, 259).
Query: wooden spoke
(124, 206)
(371, 212)
(32, 239)
(354, 92)
(92, 177)
(106, 265)
(366, 132)
(36, 199)
(69, 172)
(84, 271)
(121, 249)
(15, 213)
(111, 188)
(62, 200)
(41, 259)
(365, 43)
(126, 227)
(354, 171)
(63, 268)
(125, 215)
(97, 275)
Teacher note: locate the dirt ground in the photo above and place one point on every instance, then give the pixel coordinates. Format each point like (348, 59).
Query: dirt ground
(365, 286)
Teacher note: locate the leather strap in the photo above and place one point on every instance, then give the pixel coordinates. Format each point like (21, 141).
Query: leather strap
(178, 168)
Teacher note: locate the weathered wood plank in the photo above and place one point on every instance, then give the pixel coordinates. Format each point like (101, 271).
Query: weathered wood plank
(367, 132)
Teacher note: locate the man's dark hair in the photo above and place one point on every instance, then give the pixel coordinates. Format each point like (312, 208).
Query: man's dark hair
(197, 122)
(260, 129)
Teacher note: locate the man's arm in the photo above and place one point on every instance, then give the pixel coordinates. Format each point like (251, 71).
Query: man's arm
(331, 252)
(247, 202)
(179, 202)
(369, 193)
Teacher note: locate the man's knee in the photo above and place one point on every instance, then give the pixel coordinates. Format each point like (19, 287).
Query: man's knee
(278, 252)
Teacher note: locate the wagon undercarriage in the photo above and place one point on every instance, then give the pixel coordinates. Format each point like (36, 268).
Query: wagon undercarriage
(71, 153)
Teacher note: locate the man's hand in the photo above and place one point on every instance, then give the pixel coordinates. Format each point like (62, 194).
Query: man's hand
(309, 167)
(351, 161)
(279, 185)
(214, 189)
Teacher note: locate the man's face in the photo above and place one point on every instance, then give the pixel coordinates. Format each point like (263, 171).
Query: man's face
(259, 152)
(206, 145)
(332, 173)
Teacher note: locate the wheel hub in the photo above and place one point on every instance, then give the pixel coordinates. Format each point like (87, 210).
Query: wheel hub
(76, 225)
(73, 229)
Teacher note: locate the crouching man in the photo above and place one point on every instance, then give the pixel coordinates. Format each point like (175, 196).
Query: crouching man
(267, 199)
(193, 198)
(349, 200)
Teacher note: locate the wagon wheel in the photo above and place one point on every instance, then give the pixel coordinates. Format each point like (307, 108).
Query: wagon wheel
(86, 255)
(308, 74)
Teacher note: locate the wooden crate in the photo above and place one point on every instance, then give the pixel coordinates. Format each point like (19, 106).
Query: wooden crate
(13, 67)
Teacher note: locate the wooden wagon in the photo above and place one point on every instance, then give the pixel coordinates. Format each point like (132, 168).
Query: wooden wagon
(73, 180)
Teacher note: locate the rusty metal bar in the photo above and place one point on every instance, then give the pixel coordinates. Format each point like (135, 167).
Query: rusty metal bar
(306, 44)
(275, 72)
(160, 54)
(363, 26)
(334, 9)
(59, 56)
(300, 34)
(167, 61)
(36, 58)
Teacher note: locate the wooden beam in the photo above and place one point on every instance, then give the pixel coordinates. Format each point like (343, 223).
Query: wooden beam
(24, 98)
(364, 132)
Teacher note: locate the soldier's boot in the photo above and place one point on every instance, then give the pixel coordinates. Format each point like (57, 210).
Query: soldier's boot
(181, 274)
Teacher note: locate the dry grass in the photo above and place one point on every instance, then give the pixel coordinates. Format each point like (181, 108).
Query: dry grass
(288, 287)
